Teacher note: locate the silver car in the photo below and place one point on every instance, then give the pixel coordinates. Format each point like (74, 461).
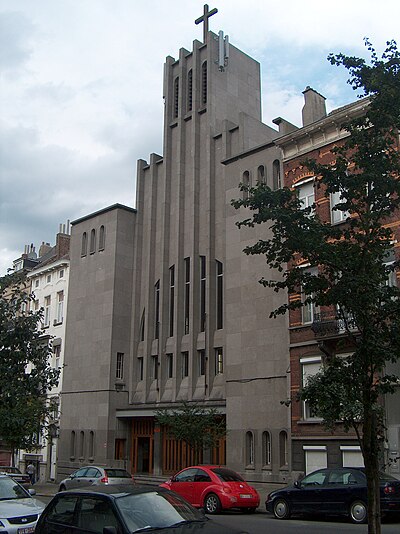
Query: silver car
(19, 512)
(94, 476)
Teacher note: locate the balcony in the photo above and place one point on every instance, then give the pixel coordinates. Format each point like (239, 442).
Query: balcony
(328, 324)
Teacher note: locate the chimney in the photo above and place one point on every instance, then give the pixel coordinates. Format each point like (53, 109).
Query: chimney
(314, 107)
(44, 248)
(62, 245)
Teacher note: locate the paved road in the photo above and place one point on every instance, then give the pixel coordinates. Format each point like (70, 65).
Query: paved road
(263, 523)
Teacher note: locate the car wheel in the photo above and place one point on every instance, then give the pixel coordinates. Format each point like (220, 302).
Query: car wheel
(358, 512)
(212, 505)
(281, 509)
(62, 488)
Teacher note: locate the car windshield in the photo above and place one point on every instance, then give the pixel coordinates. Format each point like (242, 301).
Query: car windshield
(226, 475)
(9, 490)
(148, 510)
(117, 473)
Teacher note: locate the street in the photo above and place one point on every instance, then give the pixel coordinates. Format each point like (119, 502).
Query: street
(263, 523)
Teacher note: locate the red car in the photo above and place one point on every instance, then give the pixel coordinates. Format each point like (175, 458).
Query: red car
(214, 488)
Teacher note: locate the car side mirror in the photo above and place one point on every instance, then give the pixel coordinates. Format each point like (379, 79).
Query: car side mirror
(31, 491)
(110, 530)
(297, 484)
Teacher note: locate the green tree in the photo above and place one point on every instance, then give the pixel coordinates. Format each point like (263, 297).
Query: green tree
(351, 260)
(25, 372)
(199, 427)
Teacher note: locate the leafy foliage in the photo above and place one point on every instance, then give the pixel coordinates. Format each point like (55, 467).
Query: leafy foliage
(25, 372)
(352, 261)
(199, 427)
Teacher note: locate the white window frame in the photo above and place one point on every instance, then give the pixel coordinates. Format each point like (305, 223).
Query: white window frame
(47, 310)
(60, 306)
(316, 362)
(337, 216)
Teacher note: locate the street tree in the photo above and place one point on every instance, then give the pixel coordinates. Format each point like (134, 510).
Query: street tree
(200, 427)
(25, 372)
(355, 263)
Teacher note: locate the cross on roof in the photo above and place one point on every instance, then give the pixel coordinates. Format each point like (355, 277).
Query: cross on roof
(204, 18)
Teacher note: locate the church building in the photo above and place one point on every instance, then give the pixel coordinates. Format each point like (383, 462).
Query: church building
(164, 306)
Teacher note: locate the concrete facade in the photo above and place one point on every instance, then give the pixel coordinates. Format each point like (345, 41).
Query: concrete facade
(173, 292)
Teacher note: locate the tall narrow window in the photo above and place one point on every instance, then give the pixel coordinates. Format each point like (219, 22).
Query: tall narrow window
(154, 367)
(84, 244)
(190, 90)
(176, 97)
(249, 449)
(283, 448)
(157, 309)
(202, 293)
(306, 195)
(119, 371)
(219, 361)
(47, 309)
(93, 241)
(170, 365)
(171, 299)
(91, 444)
(102, 237)
(187, 296)
(204, 83)
(57, 356)
(185, 364)
(201, 362)
(310, 366)
(246, 183)
(60, 306)
(267, 449)
(72, 444)
(82, 444)
(141, 328)
(276, 175)
(261, 176)
(220, 296)
(140, 368)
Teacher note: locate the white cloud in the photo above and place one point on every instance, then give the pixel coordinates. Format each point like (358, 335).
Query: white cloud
(81, 89)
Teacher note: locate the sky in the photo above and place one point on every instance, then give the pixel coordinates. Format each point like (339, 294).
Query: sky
(81, 89)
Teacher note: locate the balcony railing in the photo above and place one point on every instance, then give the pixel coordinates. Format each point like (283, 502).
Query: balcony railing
(330, 324)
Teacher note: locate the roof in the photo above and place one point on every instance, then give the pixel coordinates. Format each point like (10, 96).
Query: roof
(115, 490)
(103, 210)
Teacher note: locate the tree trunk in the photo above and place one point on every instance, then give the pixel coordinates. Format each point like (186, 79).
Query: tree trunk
(371, 450)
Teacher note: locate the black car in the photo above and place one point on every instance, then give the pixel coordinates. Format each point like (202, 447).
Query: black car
(341, 491)
(123, 509)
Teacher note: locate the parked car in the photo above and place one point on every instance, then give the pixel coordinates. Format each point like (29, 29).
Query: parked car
(16, 475)
(93, 475)
(19, 511)
(214, 488)
(125, 509)
(341, 491)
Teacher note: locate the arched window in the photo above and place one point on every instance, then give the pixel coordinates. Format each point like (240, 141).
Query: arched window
(72, 444)
(190, 90)
(261, 175)
(283, 448)
(93, 241)
(176, 97)
(82, 444)
(204, 83)
(246, 182)
(102, 237)
(249, 449)
(91, 444)
(267, 449)
(84, 244)
(276, 175)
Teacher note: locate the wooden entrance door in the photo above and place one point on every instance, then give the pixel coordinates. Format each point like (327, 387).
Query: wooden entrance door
(142, 445)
